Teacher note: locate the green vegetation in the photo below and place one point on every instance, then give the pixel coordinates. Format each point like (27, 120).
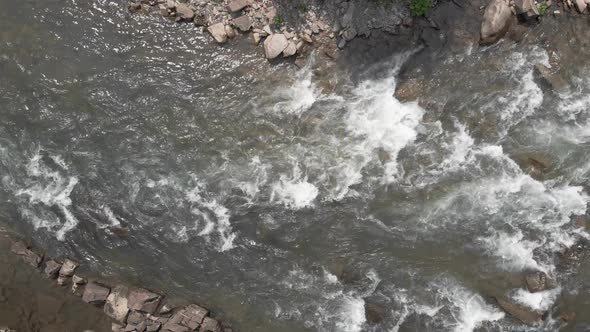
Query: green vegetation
(303, 7)
(420, 7)
(543, 8)
(278, 20)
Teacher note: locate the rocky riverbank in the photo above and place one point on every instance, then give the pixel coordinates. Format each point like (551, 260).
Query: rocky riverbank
(105, 306)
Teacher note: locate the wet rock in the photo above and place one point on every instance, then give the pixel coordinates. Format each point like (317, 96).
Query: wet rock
(217, 31)
(78, 285)
(184, 12)
(496, 22)
(210, 325)
(243, 23)
(77, 280)
(152, 326)
(524, 314)
(21, 249)
(144, 300)
(290, 50)
(567, 316)
(549, 78)
(116, 327)
(200, 19)
(68, 268)
(116, 304)
(581, 5)
(408, 90)
(189, 317)
(581, 221)
(274, 45)
(95, 293)
(349, 34)
(237, 5)
(526, 10)
(536, 281)
(133, 7)
(256, 38)
(574, 255)
(230, 32)
(63, 280)
(52, 269)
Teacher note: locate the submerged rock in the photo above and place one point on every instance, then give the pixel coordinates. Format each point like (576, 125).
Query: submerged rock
(549, 78)
(536, 281)
(496, 22)
(522, 313)
(374, 312)
(274, 45)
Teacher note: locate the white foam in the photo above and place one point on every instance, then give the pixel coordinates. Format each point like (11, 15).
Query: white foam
(111, 216)
(541, 301)
(294, 191)
(50, 188)
(515, 252)
(207, 208)
(299, 96)
(381, 122)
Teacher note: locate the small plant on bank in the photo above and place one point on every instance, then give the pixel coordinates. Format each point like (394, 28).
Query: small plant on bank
(278, 20)
(543, 8)
(420, 7)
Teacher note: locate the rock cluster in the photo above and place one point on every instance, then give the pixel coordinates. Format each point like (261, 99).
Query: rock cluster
(131, 309)
(261, 20)
(499, 15)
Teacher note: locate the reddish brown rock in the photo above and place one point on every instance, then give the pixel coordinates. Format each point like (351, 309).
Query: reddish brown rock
(536, 281)
(144, 300)
(520, 312)
(237, 5)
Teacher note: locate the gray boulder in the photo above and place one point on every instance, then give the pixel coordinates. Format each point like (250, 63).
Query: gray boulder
(274, 45)
(218, 33)
(581, 5)
(237, 5)
(187, 319)
(290, 50)
(68, 268)
(210, 325)
(496, 22)
(183, 12)
(95, 293)
(52, 269)
(21, 249)
(116, 304)
(243, 23)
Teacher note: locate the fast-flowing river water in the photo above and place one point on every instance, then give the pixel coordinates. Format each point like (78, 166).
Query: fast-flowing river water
(284, 207)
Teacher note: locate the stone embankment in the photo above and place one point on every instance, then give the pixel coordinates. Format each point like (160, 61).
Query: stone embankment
(131, 309)
(330, 25)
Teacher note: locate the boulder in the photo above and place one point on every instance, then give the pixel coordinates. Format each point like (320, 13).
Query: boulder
(217, 31)
(526, 10)
(243, 23)
(237, 5)
(136, 318)
(229, 31)
(349, 34)
(63, 280)
(256, 38)
(522, 313)
(52, 269)
(210, 325)
(116, 304)
(290, 50)
(409, 89)
(21, 249)
(68, 268)
(144, 300)
(200, 19)
(184, 12)
(496, 22)
(274, 45)
(95, 293)
(189, 317)
(77, 280)
(536, 281)
(549, 78)
(581, 5)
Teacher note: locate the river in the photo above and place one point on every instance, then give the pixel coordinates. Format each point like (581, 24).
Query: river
(280, 204)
